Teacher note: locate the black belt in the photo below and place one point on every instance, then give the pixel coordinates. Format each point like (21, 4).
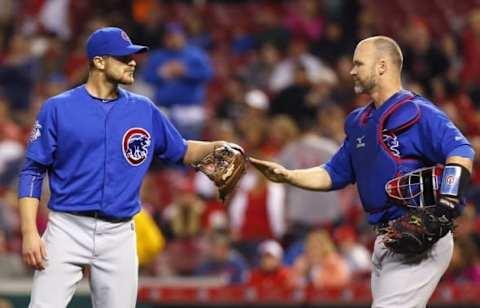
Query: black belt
(97, 215)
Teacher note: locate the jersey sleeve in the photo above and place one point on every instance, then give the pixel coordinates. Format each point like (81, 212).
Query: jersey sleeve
(31, 179)
(440, 138)
(340, 168)
(170, 145)
(43, 138)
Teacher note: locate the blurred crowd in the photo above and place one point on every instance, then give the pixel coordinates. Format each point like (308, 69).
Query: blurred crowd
(272, 76)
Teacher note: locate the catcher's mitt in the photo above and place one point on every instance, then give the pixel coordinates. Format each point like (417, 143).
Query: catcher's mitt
(415, 232)
(224, 166)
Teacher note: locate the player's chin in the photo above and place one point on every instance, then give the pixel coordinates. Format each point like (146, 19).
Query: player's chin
(358, 89)
(127, 80)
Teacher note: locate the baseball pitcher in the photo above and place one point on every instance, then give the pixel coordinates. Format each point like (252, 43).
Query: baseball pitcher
(96, 142)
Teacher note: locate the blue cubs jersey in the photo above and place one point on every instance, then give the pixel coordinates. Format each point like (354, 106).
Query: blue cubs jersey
(405, 133)
(97, 157)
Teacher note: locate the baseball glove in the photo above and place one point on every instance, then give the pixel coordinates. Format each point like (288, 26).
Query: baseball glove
(415, 232)
(224, 166)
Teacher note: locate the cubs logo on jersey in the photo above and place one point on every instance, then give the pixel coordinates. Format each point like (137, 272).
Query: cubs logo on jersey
(391, 141)
(36, 131)
(135, 145)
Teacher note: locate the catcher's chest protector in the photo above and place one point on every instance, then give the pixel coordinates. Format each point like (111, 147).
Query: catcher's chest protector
(375, 149)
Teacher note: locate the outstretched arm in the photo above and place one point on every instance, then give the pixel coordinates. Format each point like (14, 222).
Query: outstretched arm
(196, 150)
(316, 178)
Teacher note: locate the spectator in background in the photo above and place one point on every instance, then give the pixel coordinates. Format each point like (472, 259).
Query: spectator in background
(183, 219)
(306, 209)
(11, 265)
(342, 93)
(7, 17)
(270, 273)
(148, 27)
(11, 147)
(150, 240)
(320, 265)
(281, 131)
(357, 257)
(76, 64)
(242, 40)
(240, 104)
(54, 17)
(223, 260)
(298, 55)
(9, 221)
(330, 120)
(183, 215)
(18, 73)
(259, 71)
(465, 264)
(256, 213)
(232, 104)
(424, 60)
(257, 103)
(179, 74)
(271, 32)
(198, 33)
(292, 99)
(471, 50)
(332, 44)
(253, 133)
(303, 20)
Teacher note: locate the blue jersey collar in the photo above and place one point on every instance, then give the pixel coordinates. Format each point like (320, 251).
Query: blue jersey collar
(392, 100)
(121, 94)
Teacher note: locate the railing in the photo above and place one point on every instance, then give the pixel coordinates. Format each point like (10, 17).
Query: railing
(194, 292)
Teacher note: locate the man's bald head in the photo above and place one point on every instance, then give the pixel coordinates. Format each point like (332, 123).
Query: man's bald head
(386, 47)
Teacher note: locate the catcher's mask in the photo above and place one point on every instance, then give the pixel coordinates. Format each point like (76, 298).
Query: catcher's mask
(418, 188)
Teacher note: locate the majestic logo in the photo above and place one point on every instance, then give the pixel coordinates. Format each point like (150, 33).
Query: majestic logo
(125, 37)
(391, 141)
(135, 145)
(360, 142)
(35, 133)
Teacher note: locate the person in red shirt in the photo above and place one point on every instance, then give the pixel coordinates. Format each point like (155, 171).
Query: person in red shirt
(270, 274)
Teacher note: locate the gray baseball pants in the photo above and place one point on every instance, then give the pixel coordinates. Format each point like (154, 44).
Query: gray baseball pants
(75, 242)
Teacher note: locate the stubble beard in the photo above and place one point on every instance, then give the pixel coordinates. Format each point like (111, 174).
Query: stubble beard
(364, 86)
(124, 79)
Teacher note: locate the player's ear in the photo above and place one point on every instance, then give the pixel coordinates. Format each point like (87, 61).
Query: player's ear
(382, 67)
(98, 63)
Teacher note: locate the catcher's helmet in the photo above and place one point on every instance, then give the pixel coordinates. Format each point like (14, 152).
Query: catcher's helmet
(418, 188)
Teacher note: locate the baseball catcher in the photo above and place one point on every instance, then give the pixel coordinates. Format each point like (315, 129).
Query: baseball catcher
(391, 150)
(224, 166)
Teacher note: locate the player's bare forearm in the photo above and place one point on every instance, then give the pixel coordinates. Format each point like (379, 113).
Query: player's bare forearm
(465, 162)
(34, 251)
(28, 208)
(316, 178)
(196, 150)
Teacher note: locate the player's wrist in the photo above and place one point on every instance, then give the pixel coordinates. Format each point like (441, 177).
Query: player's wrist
(293, 176)
(29, 229)
(455, 180)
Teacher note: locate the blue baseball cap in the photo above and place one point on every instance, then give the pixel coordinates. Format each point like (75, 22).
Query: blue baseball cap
(111, 41)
